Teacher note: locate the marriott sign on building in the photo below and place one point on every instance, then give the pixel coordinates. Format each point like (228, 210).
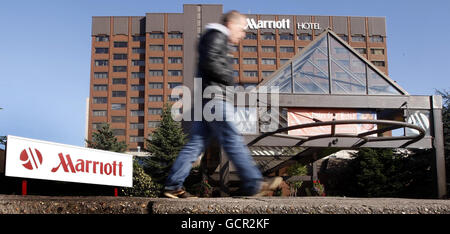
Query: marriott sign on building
(38, 159)
(279, 24)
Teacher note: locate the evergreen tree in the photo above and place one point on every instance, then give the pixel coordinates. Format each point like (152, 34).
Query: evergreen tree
(104, 139)
(164, 144)
(377, 173)
(143, 184)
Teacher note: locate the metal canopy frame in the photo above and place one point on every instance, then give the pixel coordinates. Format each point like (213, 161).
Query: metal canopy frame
(364, 137)
(403, 102)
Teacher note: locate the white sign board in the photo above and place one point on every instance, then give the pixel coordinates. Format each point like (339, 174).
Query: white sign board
(38, 159)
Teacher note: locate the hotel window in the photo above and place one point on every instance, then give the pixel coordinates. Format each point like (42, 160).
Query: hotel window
(139, 38)
(137, 113)
(268, 61)
(120, 44)
(172, 85)
(118, 119)
(156, 35)
(268, 49)
(155, 85)
(234, 48)
(118, 106)
(235, 61)
(286, 49)
(119, 93)
(175, 60)
(154, 111)
(175, 47)
(377, 51)
(249, 48)
(137, 100)
(101, 63)
(153, 124)
(119, 81)
(304, 37)
(359, 38)
(99, 113)
(324, 62)
(252, 85)
(155, 98)
(340, 50)
(266, 73)
(102, 38)
(250, 61)
(155, 60)
(139, 75)
(361, 50)
(175, 35)
(251, 73)
(250, 36)
(118, 132)
(174, 72)
(100, 87)
(138, 50)
(100, 75)
(268, 36)
(378, 63)
(137, 87)
(120, 56)
(376, 38)
(97, 126)
(101, 50)
(283, 61)
(343, 37)
(119, 68)
(100, 100)
(136, 139)
(172, 99)
(156, 47)
(286, 36)
(136, 125)
(138, 63)
(156, 72)
(235, 73)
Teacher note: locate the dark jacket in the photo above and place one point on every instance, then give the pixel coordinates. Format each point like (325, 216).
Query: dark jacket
(214, 63)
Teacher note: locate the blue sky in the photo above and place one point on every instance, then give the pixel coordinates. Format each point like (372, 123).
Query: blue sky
(45, 52)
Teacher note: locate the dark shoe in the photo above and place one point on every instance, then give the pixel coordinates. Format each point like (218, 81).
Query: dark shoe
(269, 185)
(180, 193)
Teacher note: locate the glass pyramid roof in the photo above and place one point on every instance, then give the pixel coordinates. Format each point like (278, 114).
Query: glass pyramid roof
(330, 66)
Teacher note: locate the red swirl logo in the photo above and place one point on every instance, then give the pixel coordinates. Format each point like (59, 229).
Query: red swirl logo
(31, 159)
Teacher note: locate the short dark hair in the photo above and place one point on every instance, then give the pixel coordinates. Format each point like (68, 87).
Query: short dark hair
(230, 15)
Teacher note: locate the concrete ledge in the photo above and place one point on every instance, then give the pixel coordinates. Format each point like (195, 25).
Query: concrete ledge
(14, 204)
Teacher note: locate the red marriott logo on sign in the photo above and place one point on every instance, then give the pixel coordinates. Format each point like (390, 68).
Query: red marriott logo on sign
(31, 160)
(88, 166)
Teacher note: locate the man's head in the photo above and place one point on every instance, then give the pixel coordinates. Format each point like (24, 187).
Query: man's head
(236, 23)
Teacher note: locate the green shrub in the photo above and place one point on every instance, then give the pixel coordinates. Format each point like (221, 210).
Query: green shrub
(143, 185)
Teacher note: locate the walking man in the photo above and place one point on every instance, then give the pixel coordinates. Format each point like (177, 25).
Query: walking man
(215, 69)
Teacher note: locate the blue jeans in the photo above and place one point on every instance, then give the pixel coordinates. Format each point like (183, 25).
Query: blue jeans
(232, 143)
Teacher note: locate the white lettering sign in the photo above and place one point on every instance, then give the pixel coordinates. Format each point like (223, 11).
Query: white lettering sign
(31, 158)
(279, 24)
(270, 24)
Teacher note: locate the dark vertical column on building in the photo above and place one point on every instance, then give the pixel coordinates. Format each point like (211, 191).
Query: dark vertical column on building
(189, 53)
(438, 164)
(195, 18)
